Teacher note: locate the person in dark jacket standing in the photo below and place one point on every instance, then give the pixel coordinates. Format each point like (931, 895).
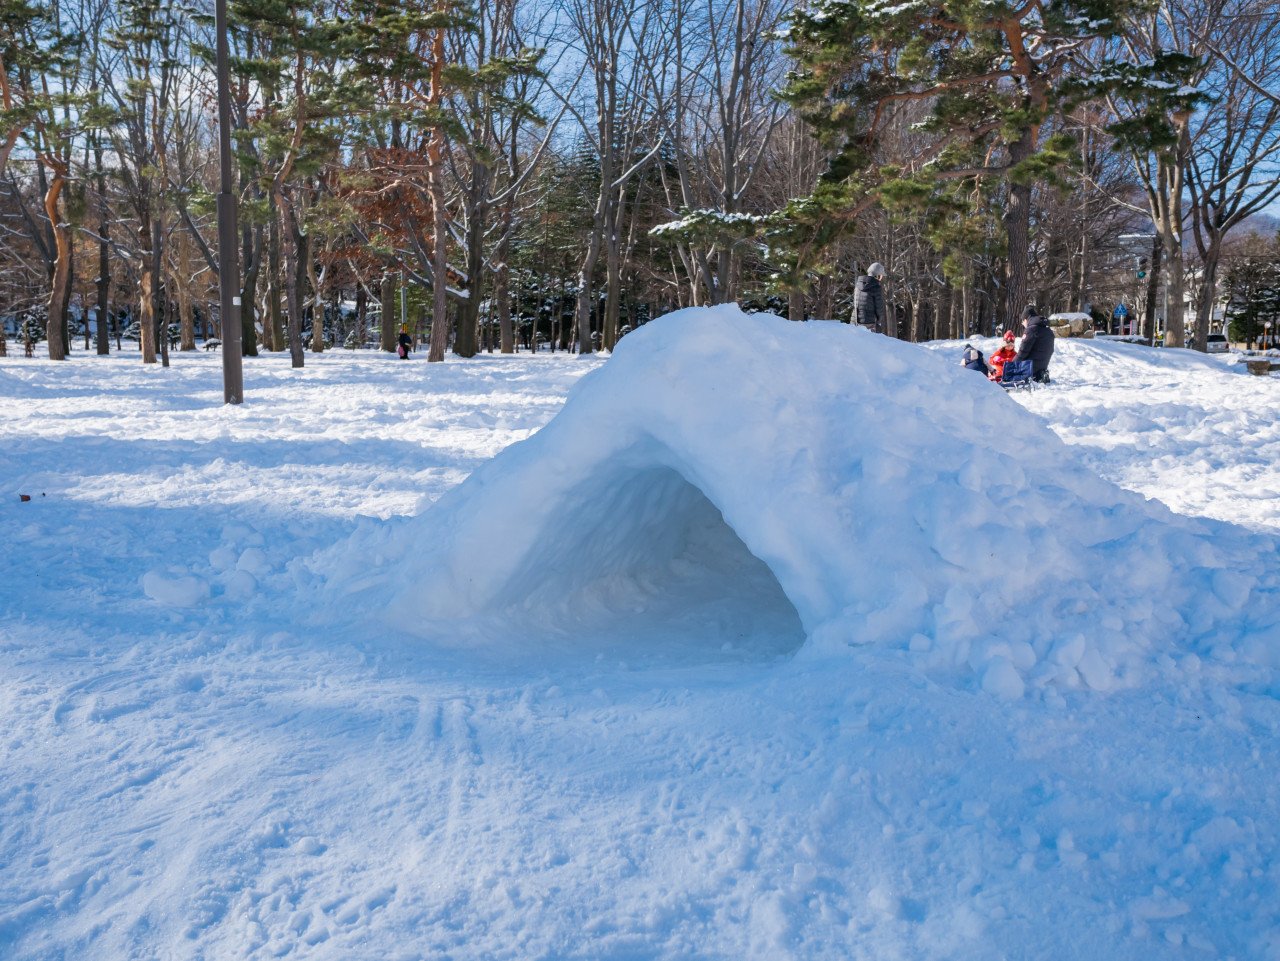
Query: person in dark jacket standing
(868, 299)
(1037, 344)
(405, 343)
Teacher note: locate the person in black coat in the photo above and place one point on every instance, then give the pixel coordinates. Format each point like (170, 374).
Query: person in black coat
(1037, 344)
(405, 343)
(868, 299)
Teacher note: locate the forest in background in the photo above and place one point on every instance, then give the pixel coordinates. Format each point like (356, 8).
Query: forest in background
(560, 172)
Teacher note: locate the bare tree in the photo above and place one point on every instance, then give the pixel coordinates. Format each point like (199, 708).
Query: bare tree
(1233, 167)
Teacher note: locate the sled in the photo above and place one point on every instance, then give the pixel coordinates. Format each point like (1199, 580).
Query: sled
(1017, 375)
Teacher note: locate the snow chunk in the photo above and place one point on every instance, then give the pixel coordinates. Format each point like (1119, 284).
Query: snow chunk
(174, 590)
(240, 585)
(254, 560)
(1001, 679)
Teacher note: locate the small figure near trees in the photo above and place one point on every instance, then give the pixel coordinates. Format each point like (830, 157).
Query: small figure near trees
(405, 342)
(1006, 353)
(1037, 344)
(868, 299)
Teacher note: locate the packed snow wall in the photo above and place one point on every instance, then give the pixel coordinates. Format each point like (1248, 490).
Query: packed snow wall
(828, 487)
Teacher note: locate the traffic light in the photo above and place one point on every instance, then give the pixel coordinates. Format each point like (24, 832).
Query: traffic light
(1142, 267)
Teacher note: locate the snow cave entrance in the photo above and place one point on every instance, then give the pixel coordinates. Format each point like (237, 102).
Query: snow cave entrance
(640, 563)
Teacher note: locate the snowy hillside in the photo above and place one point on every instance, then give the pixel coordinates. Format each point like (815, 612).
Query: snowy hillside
(238, 721)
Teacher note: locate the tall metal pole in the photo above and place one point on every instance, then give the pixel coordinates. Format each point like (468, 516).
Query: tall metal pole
(228, 252)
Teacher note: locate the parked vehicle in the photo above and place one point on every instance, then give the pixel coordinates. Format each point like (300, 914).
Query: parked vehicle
(1217, 344)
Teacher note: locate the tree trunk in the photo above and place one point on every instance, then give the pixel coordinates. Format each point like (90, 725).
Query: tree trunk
(84, 308)
(104, 269)
(146, 298)
(502, 298)
(439, 290)
(1165, 198)
(362, 309)
(586, 293)
(65, 319)
(186, 313)
(157, 268)
(1208, 294)
(295, 281)
(387, 320)
(61, 266)
(613, 275)
(467, 343)
(826, 290)
(1017, 225)
(586, 275)
(251, 241)
(1175, 290)
(439, 213)
(1153, 287)
(1086, 253)
(468, 340)
(273, 327)
(317, 303)
(795, 304)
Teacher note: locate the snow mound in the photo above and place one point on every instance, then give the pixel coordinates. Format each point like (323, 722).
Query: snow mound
(741, 479)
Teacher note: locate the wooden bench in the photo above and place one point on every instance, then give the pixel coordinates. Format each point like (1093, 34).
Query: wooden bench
(1261, 367)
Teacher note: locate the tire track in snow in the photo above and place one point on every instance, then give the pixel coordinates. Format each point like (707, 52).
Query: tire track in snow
(464, 757)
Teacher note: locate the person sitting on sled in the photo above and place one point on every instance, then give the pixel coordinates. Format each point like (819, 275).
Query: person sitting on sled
(1002, 356)
(972, 359)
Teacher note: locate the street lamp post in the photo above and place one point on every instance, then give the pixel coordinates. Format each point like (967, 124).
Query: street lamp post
(228, 253)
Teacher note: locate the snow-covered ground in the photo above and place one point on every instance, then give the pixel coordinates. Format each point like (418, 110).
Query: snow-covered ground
(1166, 423)
(211, 748)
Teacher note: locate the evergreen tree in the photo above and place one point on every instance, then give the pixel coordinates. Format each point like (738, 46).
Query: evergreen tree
(293, 58)
(988, 77)
(26, 42)
(400, 77)
(41, 102)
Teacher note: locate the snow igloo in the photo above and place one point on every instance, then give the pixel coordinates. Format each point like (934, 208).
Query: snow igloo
(742, 482)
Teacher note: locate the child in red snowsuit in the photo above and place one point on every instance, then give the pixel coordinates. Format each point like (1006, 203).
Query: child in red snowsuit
(1002, 356)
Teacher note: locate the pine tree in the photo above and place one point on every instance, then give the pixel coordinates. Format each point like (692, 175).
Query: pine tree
(298, 131)
(41, 104)
(989, 77)
(400, 78)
